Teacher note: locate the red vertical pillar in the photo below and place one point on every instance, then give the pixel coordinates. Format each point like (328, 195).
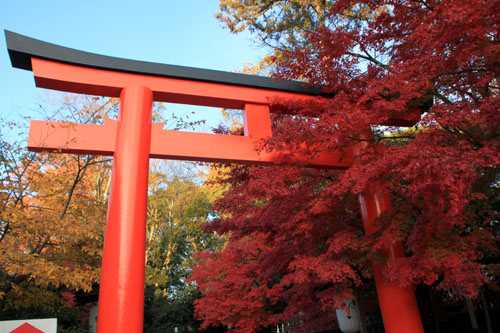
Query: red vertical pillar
(121, 294)
(398, 305)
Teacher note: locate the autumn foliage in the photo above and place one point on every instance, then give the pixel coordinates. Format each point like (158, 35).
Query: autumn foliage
(53, 212)
(296, 247)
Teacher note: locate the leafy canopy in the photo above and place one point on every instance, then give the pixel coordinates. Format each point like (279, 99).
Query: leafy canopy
(296, 247)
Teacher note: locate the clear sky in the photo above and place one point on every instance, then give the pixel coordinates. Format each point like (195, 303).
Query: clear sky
(179, 32)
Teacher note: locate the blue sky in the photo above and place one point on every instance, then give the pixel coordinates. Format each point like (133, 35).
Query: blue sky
(179, 32)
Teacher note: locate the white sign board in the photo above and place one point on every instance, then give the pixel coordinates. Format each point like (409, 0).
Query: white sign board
(29, 326)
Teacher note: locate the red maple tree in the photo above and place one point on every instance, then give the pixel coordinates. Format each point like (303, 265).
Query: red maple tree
(297, 248)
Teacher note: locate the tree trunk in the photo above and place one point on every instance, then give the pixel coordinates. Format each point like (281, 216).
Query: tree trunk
(472, 314)
(361, 317)
(434, 312)
(486, 312)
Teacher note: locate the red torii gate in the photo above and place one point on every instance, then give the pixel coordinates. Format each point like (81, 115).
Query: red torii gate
(133, 139)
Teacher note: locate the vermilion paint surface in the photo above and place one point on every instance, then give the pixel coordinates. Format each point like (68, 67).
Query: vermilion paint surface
(398, 306)
(121, 293)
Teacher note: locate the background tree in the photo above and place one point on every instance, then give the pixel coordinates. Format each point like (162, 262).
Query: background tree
(285, 24)
(52, 219)
(405, 58)
(179, 205)
(277, 23)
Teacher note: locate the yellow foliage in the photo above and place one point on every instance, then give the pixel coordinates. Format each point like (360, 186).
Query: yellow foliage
(52, 219)
(56, 223)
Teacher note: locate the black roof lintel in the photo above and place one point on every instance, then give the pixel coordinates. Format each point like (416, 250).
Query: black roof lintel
(22, 48)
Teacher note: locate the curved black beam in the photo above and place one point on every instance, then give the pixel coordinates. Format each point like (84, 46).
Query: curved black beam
(22, 49)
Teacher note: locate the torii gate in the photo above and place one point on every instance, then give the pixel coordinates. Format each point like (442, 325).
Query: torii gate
(133, 139)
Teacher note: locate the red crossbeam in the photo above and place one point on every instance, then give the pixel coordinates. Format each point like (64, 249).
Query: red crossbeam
(84, 80)
(91, 139)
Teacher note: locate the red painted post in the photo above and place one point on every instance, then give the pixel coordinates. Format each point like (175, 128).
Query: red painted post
(121, 294)
(398, 305)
